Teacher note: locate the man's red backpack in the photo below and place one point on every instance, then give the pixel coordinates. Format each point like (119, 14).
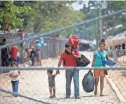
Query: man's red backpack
(74, 41)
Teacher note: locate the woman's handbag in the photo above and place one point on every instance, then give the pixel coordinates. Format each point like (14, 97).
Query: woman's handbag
(82, 61)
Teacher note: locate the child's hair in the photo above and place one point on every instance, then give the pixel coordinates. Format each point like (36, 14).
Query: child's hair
(13, 63)
(50, 71)
(102, 40)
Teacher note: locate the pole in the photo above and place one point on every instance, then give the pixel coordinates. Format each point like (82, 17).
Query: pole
(101, 27)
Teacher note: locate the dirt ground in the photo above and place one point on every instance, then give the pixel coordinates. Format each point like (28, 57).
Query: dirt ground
(35, 84)
(119, 78)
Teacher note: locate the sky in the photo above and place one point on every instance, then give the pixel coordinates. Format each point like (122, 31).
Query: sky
(78, 6)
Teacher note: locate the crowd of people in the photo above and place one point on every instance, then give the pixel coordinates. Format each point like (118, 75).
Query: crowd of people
(12, 53)
(68, 58)
(10, 57)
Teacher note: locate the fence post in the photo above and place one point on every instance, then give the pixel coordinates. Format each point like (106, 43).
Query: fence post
(114, 53)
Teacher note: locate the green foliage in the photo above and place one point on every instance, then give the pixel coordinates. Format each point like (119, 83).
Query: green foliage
(8, 15)
(49, 15)
(109, 22)
(113, 21)
(116, 5)
(37, 16)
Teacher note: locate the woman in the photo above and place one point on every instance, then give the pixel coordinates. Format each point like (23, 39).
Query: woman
(99, 55)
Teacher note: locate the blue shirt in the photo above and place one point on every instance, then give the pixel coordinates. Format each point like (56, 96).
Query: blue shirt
(38, 46)
(98, 60)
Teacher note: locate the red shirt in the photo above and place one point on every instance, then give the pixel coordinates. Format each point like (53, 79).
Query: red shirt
(68, 59)
(14, 51)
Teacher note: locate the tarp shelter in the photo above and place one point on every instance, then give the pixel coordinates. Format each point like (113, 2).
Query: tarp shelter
(117, 40)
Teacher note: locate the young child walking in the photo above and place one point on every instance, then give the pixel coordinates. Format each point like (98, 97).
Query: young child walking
(51, 81)
(14, 75)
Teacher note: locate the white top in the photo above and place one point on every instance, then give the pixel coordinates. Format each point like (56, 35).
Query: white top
(18, 54)
(14, 75)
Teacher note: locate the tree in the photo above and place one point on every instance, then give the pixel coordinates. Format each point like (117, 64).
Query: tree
(92, 11)
(37, 16)
(8, 15)
(49, 15)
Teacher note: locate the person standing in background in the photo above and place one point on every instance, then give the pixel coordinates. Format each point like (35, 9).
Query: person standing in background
(13, 53)
(123, 48)
(38, 52)
(4, 54)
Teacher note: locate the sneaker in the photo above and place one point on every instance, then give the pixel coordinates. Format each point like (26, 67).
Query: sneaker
(77, 97)
(15, 95)
(54, 96)
(51, 97)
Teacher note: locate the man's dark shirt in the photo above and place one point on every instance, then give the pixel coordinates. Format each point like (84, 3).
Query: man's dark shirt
(4, 53)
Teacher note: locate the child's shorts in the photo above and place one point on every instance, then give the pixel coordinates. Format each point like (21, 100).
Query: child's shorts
(51, 85)
(50, 88)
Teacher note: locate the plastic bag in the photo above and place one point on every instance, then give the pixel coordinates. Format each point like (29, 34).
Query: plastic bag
(88, 82)
(109, 62)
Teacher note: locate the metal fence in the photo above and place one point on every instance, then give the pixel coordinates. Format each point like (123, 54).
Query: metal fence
(33, 81)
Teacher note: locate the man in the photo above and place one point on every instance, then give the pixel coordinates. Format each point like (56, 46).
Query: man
(13, 53)
(4, 54)
(68, 58)
(123, 48)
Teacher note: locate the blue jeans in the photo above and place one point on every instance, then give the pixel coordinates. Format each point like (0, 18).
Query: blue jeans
(33, 61)
(15, 86)
(75, 74)
(11, 60)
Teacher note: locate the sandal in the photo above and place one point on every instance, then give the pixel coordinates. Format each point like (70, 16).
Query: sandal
(51, 97)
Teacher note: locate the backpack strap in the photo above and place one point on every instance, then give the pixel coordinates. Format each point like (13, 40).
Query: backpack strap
(101, 58)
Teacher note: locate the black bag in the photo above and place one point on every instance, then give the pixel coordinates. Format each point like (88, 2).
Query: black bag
(105, 71)
(82, 61)
(88, 82)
